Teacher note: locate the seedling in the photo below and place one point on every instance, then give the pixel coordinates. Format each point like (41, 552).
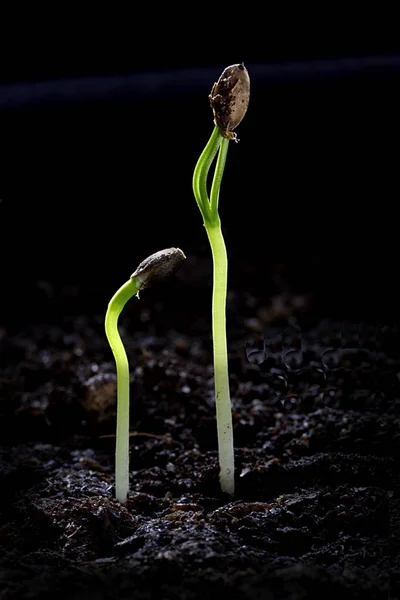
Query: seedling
(229, 100)
(156, 267)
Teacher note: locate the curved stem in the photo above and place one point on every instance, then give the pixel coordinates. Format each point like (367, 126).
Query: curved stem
(201, 172)
(217, 179)
(115, 306)
(209, 210)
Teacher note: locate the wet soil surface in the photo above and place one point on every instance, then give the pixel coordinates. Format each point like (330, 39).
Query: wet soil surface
(316, 411)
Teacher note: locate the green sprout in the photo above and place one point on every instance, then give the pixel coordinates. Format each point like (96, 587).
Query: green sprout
(156, 267)
(229, 99)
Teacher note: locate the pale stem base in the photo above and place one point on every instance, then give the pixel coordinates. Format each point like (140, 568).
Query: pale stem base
(222, 393)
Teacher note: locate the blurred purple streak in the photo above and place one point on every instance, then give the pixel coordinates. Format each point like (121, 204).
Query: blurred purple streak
(139, 87)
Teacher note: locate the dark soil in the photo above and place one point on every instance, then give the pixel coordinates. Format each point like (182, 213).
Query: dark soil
(317, 436)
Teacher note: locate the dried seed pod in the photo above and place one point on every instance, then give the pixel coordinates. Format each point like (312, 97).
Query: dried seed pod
(158, 266)
(229, 99)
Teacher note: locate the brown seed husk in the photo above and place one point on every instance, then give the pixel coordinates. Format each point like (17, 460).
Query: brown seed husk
(229, 99)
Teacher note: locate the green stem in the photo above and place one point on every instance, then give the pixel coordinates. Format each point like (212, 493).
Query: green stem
(219, 171)
(209, 209)
(221, 377)
(115, 307)
(201, 172)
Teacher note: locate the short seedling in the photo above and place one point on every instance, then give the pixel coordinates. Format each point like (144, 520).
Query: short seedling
(156, 267)
(229, 100)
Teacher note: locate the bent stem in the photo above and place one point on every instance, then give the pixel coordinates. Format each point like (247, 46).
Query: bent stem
(201, 171)
(115, 306)
(209, 210)
(158, 266)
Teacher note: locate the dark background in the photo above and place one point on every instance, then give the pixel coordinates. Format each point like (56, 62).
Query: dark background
(97, 160)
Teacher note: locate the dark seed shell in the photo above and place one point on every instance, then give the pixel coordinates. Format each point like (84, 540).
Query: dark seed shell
(158, 266)
(229, 99)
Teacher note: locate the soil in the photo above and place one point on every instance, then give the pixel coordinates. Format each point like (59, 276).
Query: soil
(317, 442)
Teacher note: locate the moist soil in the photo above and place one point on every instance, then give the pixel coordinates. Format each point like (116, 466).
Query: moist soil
(317, 443)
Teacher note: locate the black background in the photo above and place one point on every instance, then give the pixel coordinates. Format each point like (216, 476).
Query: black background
(98, 156)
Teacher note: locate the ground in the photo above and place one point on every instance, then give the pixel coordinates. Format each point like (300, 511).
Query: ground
(317, 440)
